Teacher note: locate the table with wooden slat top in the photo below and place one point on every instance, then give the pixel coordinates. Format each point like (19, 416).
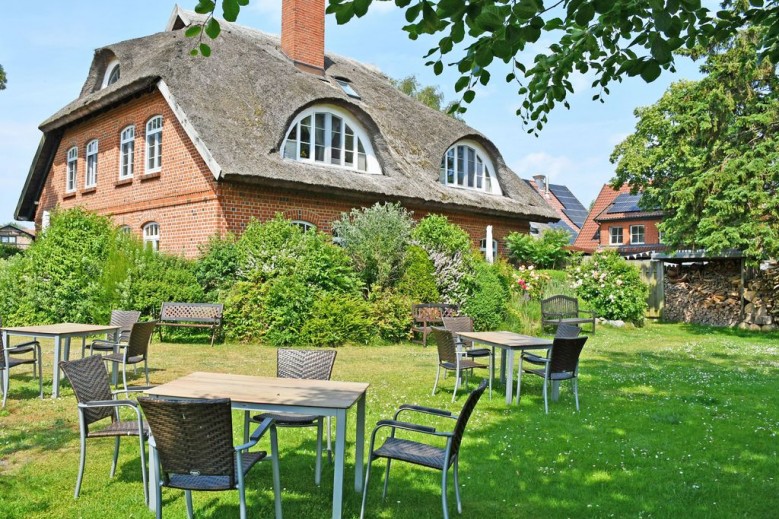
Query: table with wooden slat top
(288, 395)
(508, 342)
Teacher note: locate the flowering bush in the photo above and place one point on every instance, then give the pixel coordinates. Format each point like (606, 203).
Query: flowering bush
(612, 287)
(530, 282)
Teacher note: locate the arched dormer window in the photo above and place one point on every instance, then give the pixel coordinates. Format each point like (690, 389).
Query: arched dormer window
(467, 165)
(329, 136)
(112, 73)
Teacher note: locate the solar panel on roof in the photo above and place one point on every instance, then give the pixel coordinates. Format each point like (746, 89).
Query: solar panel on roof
(625, 203)
(572, 208)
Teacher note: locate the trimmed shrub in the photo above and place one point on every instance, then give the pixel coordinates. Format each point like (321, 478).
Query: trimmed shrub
(612, 287)
(286, 308)
(488, 297)
(243, 306)
(338, 318)
(546, 252)
(419, 281)
(434, 232)
(376, 239)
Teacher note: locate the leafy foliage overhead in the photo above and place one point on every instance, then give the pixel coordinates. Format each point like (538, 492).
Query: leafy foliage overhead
(607, 39)
(430, 96)
(708, 155)
(3, 79)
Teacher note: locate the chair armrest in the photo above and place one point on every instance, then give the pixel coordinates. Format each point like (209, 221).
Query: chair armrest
(10, 349)
(396, 424)
(256, 435)
(133, 389)
(423, 409)
(108, 403)
(534, 359)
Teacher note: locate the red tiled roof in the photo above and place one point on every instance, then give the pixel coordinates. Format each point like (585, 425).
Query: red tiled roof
(587, 240)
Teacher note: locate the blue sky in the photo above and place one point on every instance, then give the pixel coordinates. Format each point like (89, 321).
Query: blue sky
(46, 48)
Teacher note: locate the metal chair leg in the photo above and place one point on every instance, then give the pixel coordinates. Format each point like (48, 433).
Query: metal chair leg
(435, 385)
(318, 467)
(386, 480)
(575, 382)
(456, 472)
(116, 456)
(444, 504)
(365, 486)
(188, 496)
(83, 456)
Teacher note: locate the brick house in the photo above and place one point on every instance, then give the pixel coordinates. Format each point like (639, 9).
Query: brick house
(177, 148)
(16, 236)
(617, 222)
(571, 212)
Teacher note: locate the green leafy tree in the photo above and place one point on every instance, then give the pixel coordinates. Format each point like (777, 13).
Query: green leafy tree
(607, 39)
(3, 79)
(430, 96)
(707, 153)
(546, 252)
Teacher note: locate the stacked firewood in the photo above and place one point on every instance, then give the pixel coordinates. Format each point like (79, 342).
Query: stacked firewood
(703, 293)
(761, 299)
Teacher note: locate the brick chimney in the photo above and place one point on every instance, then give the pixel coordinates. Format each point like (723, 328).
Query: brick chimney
(303, 33)
(541, 184)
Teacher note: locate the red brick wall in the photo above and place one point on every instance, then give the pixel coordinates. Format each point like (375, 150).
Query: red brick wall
(184, 199)
(651, 235)
(180, 198)
(303, 31)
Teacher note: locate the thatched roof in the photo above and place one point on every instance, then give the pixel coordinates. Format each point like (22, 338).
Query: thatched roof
(240, 102)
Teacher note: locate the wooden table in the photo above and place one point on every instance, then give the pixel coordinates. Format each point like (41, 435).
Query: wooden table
(508, 342)
(58, 332)
(313, 397)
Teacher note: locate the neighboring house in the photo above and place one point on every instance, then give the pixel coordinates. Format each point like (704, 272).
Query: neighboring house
(177, 148)
(571, 212)
(617, 222)
(16, 236)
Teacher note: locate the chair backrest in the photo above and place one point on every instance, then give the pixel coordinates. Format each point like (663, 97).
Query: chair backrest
(567, 331)
(140, 337)
(124, 319)
(310, 364)
(447, 347)
(561, 306)
(565, 354)
(433, 312)
(192, 437)
(460, 323)
(462, 419)
(89, 379)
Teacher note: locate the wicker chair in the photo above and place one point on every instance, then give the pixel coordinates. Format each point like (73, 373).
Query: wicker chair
(562, 363)
(463, 323)
(96, 402)
(308, 364)
(136, 351)
(450, 359)
(8, 362)
(567, 331)
(193, 440)
(420, 453)
(124, 319)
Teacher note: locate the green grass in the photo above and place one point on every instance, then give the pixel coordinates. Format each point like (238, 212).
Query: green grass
(675, 421)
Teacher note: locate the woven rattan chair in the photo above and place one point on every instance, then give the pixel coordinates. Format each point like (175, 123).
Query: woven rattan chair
(463, 323)
(420, 453)
(96, 403)
(567, 331)
(193, 440)
(9, 359)
(124, 319)
(308, 364)
(450, 359)
(562, 363)
(136, 351)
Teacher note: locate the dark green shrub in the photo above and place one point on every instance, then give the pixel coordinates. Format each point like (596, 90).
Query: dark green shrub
(612, 287)
(217, 268)
(243, 311)
(391, 315)
(435, 233)
(6, 251)
(338, 318)
(376, 239)
(418, 281)
(546, 252)
(286, 308)
(488, 297)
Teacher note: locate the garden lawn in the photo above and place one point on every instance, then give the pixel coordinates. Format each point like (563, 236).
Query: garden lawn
(675, 421)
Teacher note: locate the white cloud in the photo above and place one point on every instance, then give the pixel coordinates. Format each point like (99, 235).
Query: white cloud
(541, 163)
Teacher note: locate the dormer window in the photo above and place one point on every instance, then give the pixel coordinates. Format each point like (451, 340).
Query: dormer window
(112, 73)
(467, 166)
(347, 87)
(330, 137)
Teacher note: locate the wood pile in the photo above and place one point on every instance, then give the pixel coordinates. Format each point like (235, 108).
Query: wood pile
(703, 293)
(761, 299)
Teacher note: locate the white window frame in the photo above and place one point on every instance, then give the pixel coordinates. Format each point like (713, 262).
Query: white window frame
(637, 232)
(151, 235)
(8, 240)
(304, 225)
(71, 170)
(153, 150)
(483, 247)
(450, 168)
(291, 149)
(90, 169)
(108, 77)
(127, 152)
(45, 220)
(613, 234)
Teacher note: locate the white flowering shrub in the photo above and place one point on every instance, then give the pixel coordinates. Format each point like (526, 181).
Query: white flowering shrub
(530, 282)
(612, 287)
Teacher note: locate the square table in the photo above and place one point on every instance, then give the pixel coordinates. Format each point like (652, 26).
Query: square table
(508, 342)
(58, 332)
(289, 395)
